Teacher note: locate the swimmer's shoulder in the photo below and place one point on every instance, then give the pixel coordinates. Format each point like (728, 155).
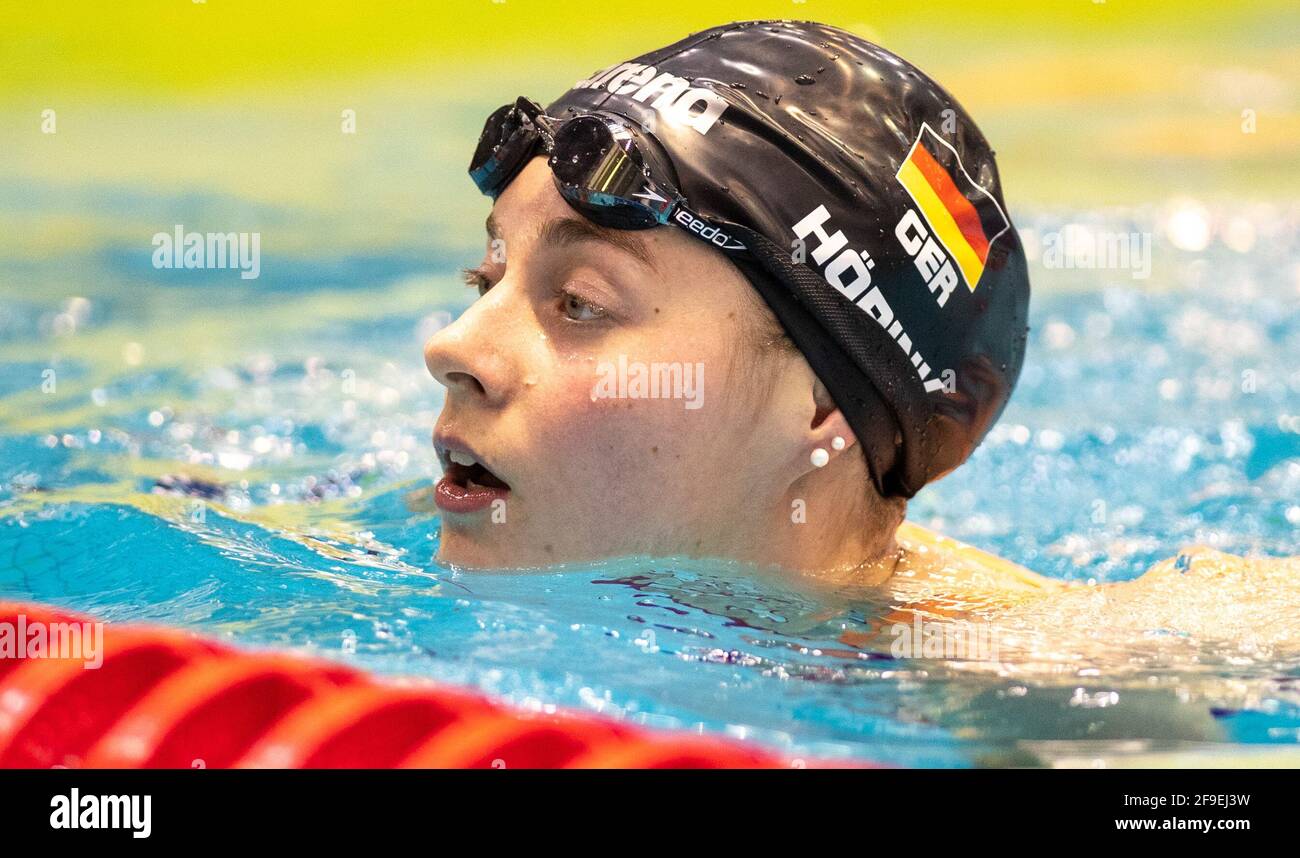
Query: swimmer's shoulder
(1203, 564)
(928, 554)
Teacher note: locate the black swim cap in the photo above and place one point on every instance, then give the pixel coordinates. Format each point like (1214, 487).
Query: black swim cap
(896, 270)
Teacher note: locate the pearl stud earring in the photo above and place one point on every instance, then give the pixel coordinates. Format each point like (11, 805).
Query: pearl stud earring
(820, 457)
(837, 442)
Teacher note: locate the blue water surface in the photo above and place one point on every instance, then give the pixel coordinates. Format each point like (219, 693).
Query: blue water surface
(249, 460)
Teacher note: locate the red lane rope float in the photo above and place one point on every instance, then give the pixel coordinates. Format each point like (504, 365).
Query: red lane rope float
(207, 713)
(49, 704)
(165, 698)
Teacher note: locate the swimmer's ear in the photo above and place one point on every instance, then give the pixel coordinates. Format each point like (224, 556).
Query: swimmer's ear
(828, 423)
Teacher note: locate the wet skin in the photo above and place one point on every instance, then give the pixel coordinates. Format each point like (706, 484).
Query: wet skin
(593, 477)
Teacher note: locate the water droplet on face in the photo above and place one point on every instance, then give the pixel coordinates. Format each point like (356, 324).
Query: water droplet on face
(804, 80)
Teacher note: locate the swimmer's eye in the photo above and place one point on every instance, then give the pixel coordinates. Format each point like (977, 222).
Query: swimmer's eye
(574, 306)
(578, 309)
(476, 279)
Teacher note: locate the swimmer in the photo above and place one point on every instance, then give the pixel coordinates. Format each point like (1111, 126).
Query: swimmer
(741, 297)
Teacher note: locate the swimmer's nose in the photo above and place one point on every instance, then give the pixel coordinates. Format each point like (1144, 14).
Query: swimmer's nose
(464, 361)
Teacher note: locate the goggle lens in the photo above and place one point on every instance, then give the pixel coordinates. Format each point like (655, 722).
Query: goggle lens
(507, 140)
(601, 172)
(598, 164)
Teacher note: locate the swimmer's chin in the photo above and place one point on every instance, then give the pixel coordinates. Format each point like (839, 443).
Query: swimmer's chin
(476, 560)
(481, 563)
(465, 551)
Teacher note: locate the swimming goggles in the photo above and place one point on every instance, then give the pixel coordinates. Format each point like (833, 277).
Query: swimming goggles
(606, 167)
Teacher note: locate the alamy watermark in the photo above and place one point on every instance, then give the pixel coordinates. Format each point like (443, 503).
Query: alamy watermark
(236, 250)
(133, 813)
(26, 638)
(965, 641)
(625, 379)
(1077, 246)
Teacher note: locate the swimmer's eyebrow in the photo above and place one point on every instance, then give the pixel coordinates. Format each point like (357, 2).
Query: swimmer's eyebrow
(570, 231)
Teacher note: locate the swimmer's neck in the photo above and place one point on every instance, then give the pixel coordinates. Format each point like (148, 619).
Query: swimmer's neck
(873, 570)
(828, 529)
(857, 556)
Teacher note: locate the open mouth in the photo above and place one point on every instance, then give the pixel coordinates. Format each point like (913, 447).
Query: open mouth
(474, 476)
(467, 485)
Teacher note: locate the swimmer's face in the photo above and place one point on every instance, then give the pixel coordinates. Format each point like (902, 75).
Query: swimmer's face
(547, 378)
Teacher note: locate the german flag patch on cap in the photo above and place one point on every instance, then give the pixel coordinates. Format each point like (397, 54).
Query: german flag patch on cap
(964, 217)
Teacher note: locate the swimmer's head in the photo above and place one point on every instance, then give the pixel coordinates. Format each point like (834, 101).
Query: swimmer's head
(703, 267)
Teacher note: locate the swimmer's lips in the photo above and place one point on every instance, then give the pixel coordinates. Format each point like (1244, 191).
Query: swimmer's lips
(467, 488)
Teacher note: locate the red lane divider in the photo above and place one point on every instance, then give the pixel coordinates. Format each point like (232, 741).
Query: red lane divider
(163, 698)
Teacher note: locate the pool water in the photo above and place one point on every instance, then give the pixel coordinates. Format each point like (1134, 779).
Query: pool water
(251, 459)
